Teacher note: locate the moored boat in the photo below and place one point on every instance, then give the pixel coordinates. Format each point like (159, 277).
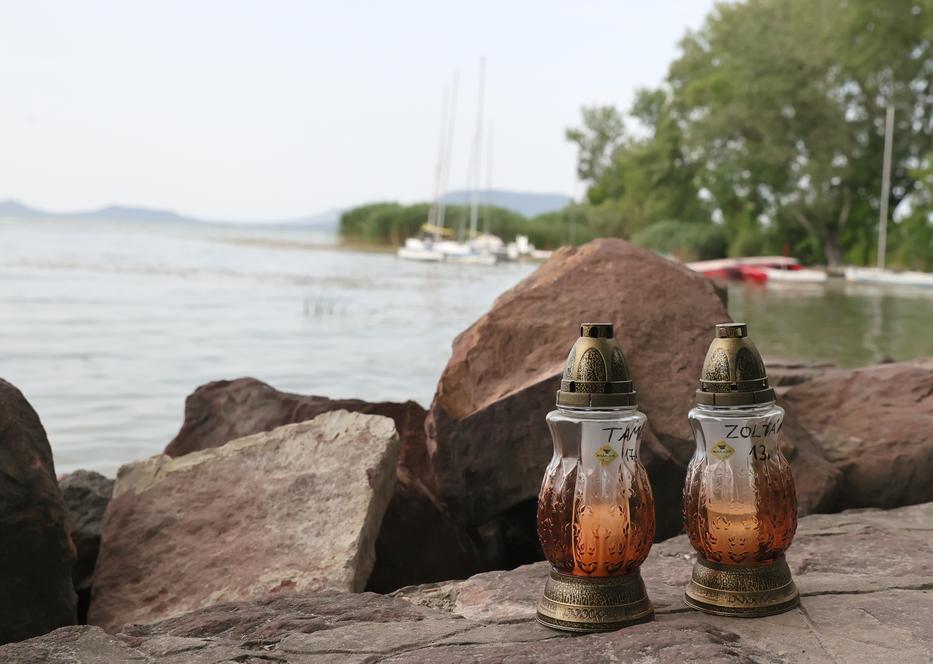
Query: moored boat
(416, 249)
(755, 273)
(874, 275)
(434, 244)
(798, 276)
(722, 268)
(759, 269)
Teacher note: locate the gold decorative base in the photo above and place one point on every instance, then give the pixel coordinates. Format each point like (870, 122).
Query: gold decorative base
(594, 603)
(742, 592)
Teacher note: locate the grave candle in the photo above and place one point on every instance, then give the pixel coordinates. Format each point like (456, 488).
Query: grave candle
(740, 508)
(595, 510)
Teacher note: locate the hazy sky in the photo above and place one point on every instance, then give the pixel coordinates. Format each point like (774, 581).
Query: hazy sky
(277, 109)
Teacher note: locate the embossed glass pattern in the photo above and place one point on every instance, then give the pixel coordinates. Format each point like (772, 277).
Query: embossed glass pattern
(595, 508)
(739, 503)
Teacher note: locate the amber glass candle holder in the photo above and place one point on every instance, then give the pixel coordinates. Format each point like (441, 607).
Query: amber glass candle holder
(740, 507)
(595, 510)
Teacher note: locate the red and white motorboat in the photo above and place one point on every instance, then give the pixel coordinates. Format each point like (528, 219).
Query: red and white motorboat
(759, 269)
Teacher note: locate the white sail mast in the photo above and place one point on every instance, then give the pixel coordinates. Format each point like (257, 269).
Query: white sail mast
(442, 204)
(486, 201)
(885, 186)
(476, 160)
(439, 167)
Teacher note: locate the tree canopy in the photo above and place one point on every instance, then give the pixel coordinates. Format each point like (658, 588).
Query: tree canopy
(766, 136)
(772, 122)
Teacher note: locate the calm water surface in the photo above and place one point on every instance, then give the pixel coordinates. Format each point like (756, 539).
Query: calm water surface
(107, 327)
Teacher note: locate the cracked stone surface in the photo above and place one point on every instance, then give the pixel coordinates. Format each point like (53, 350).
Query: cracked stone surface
(305, 515)
(831, 410)
(866, 580)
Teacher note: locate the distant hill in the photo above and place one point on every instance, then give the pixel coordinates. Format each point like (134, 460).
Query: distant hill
(125, 213)
(526, 203)
(14, 209)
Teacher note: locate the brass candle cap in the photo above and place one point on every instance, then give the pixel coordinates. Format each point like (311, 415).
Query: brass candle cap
(733, 371)
(594, 603)
(741, 591)
(596, 374)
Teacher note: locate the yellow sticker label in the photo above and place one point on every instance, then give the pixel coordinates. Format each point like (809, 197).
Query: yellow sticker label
(606, 455)
(722, 450)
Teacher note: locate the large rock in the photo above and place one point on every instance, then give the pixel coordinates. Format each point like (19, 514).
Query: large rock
(864, 579)
(419, 542)
(36, 554)
(86, 495)
(816, 480)
(297, 508)
(488, 440)
(219, 412)
(875, 426)
(784, 374)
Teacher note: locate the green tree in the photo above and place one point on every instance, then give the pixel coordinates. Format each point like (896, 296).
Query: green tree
(685, 241)
(772, 121)
(782, 106)
(651, 175)
(597, 140)
(910, 238)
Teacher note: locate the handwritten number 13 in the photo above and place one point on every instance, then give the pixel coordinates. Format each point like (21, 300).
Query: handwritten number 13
(759, 452)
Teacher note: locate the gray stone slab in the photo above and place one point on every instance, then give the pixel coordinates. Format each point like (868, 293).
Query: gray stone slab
(294, 509)
(865, 577)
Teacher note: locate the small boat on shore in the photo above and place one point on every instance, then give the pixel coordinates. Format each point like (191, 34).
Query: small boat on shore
(798, 275)
(416, 249)
(759, 269)
(874, 275)
(880, 275)
(753, 273)
(720, 268)
(427, 250)
(464, 253)
(434, 244)
(522, 249)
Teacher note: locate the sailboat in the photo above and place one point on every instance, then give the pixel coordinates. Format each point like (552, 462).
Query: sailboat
(427, 247)
(473, 252)
(434, 244)
(880, 275)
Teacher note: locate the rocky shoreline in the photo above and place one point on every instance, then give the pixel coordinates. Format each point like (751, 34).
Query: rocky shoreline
(865, 576)
(251, 538)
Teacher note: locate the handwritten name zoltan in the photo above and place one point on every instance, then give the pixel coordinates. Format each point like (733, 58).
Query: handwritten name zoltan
(757, 430)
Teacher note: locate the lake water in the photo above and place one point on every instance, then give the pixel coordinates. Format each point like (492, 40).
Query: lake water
(106, 328)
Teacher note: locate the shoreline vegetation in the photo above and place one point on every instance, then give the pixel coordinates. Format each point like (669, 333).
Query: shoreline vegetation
(385, 226)
(766, 137)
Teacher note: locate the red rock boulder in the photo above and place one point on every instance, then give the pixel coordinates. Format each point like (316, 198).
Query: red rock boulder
(86, 495)
(221, 411)
(418, 541)
(488, 440)
(875, 426)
